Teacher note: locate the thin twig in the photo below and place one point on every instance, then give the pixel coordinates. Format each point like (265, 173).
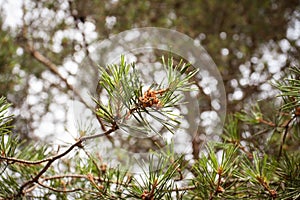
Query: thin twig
(78, 176)
(85, 46)
(50, 65)
(64, 176)
(286, 130)
(28, 162)
(25, 162)
(54, 69)
(154, 185)
(272, 193)
(150, 195)
(187, 188)
(269, 123)
(54, 158)
(75, 176)
(219, 188)
(35, 179)
(242, 148)
(58, 190)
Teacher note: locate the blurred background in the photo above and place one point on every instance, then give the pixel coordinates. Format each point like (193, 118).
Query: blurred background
(44, 42)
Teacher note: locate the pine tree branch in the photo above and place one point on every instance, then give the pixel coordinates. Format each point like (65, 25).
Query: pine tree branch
(261, 120)
(25, 162)
(54, 158)
(187, 188)
(81, 176)
(50, 65)
(35, 179)
(58, 190)
(272, 193)
(219, 188)
(54, 69)
(99, 179)
(64, 176)
(43, 59)
(286, 130)
(28, 162)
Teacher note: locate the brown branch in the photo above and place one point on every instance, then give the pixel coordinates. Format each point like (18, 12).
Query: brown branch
(79, 176)
(182, 189)
(54, 158)
(154, 185)
(85, 46)
(272, 193)
(242, 148)
(43, 59)
(219, 188)
(91, 178)
(267, 122)
(65, 176)
(113, 182)
(150, 195)
(54, 69)
(35, 179)
(25, 162)
(50, 65)
(28, 162)
(91, 63)
(58, 190)
(196, 144)
(286, 130)
(87, 177)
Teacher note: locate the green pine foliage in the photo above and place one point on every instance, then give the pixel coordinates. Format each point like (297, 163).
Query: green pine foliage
(260, 163)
